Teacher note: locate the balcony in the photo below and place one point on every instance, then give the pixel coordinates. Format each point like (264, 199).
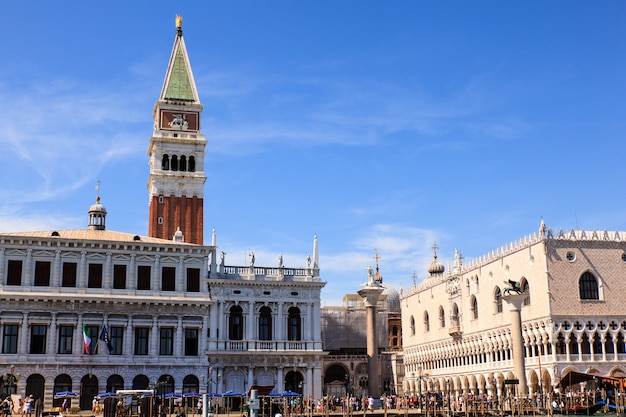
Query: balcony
(455, 331)
(264, 345)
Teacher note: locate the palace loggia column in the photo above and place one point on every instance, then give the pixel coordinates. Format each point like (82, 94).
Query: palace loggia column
(515, 302)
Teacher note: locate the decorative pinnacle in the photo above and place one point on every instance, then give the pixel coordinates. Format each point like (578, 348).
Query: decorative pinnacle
(179, 25)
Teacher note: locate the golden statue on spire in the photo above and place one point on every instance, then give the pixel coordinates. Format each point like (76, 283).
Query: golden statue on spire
(179, 21)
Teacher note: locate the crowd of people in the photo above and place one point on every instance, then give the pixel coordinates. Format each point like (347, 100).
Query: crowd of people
(25, 407)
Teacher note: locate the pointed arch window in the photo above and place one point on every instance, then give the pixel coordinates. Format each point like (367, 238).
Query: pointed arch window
(235, 323)
(621, 346)
(573, 344)
(442, 317)
(454, 318)
(426, 322)
(526, 290)
(265, 323)
(560, 345)
(192, 164)
(413, 324)
(588, 287)
(608, 344)
(474, 307)
(294, 326)
(497, 299)
(165, 162)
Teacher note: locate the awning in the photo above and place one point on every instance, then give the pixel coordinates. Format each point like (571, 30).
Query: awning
(573, 378)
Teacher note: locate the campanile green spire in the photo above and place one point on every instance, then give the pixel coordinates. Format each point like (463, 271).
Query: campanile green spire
(179, 84)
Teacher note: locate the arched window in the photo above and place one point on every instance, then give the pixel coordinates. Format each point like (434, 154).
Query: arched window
(265, 323)
(114, 382)
(426, 322)
(621, 346)
(235, 323)
(442, 317)
(497, 299)
(294, 331)
(560, 345)
(454, 318)
(608, 344)
(182, 163)
(588, 287)
(413, 324)
(597, 343)
(573, 344)
(474, 307)
(174, 163)
(525, 289)
(165, 162)
(192, 164)
(62, 382)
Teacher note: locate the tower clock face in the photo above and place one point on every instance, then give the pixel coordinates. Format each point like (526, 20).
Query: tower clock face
(180, 120)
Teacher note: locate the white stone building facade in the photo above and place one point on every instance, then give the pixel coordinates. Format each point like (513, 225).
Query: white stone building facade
(457, 328)
(177, 319)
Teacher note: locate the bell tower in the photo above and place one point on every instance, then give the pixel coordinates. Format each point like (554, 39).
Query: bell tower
(176, 183)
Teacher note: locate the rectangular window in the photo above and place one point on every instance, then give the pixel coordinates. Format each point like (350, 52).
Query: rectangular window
(141, 340)
(66, 337)
(119, 277)
(143, 277)
(191, 342)
(95, 276)
(69, 274)
(264, 328)
(168, 278)
(42, 274)
(14, 273)
(193, 279)
(9, 338)
(38, 339)
(166, 341)
(116, 334)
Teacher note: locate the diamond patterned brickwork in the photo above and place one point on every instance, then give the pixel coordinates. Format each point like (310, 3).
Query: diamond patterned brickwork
(603, 259)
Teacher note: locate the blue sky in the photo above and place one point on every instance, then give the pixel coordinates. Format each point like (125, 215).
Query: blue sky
(379, 126)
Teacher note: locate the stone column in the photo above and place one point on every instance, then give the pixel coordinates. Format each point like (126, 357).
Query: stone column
(515, 302)
(370, 294)
(107, 281)
(56, 270)
(180, 338)
(280, 385)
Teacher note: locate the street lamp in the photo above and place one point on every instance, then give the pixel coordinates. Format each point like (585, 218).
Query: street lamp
(10, 380)
(160, 386)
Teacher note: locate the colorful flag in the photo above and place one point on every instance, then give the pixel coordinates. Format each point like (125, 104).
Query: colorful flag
(104, 336)
(87, 339)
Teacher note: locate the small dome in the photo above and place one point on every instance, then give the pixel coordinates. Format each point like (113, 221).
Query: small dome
(97, 216)
(435, 268)
(393, 298)
(97, 208)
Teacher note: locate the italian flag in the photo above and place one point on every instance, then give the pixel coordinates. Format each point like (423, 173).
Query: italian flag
(86, 339)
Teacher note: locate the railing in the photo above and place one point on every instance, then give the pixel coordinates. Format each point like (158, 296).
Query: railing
(264, 345)
(268, 273)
